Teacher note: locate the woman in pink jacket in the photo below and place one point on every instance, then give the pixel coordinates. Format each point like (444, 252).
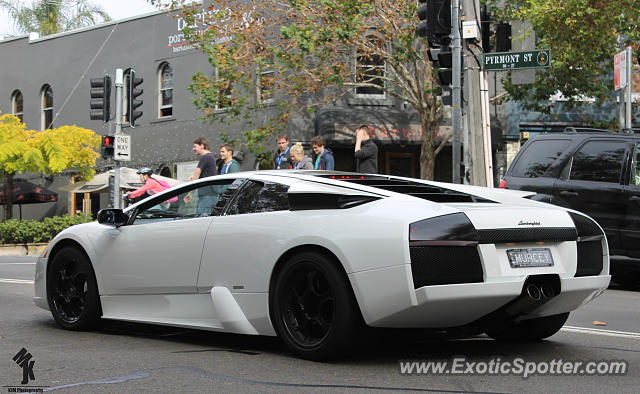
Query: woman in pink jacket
(151, 186)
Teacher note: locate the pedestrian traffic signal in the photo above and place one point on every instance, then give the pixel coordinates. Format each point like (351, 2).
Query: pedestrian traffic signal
(436, 21)
(100, 102)
(132, 93)
(107, 147)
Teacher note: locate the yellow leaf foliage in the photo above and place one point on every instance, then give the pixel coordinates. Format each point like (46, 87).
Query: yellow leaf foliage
(50, 151)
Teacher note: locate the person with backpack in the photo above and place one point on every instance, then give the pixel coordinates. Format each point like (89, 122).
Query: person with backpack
(151, 186)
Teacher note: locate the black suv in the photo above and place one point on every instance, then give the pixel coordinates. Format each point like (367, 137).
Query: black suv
(592, 171)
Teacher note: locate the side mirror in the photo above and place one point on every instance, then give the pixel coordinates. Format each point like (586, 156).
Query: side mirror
(113, 217)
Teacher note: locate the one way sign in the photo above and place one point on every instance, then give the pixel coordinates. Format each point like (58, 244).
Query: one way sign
(122, 151)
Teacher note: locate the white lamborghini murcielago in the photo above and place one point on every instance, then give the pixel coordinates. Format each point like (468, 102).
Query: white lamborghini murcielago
(314, 257)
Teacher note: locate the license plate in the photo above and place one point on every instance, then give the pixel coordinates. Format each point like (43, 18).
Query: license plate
(530, 257)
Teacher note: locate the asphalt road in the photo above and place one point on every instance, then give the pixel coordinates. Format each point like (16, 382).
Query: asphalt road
(132, 358)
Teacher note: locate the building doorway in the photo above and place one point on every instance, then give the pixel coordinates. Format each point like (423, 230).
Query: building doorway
(401, 164)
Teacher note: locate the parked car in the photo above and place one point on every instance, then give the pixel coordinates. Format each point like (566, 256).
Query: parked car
(315, 256)
(591, 171)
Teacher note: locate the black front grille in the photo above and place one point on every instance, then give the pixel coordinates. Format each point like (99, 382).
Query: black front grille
(532, 234)
(589, 258)
(443, 265)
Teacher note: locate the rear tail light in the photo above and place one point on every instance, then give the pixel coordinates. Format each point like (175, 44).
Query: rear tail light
(444, 250)
(590, 246)
(447, 229)
(503, 184)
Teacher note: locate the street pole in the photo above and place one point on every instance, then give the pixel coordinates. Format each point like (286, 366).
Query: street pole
(486, 128)
(119, 82)
(627, 118)
(456, 96)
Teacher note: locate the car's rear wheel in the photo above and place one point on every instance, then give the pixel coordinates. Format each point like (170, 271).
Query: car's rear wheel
(531, 329)
(72, 291)
(313, 309)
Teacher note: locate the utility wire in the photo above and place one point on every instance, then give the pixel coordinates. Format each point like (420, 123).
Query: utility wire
(84, 73)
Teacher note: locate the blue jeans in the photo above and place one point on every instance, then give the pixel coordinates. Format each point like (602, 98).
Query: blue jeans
(206, 204)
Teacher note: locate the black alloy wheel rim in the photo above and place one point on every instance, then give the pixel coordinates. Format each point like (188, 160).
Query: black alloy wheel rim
(70, 290)
(307, 306)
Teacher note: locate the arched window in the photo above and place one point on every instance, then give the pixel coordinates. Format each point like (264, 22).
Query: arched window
(165, 92)
(47, 107)
(16, 105)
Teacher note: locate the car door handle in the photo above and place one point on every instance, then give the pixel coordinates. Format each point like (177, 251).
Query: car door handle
(634, 198)
(567, 193)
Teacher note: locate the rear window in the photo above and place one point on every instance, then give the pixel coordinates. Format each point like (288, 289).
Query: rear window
(538, 157)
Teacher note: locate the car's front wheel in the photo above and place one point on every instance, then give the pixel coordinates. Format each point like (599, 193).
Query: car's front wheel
(72, 291)
(531, 329)
(313, 309)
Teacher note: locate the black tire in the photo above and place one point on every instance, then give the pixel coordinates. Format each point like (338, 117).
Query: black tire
(313, 308)
(531, 329)
(72, 291)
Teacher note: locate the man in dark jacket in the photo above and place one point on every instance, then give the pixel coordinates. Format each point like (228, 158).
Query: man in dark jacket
(324, 156)
(366, 152)
(282, 158)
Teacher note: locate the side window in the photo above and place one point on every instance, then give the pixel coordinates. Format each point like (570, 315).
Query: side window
(185, 205)
(598, 161)
(226, 193)
(538, 157)
(246, 200)
(257, 197)
(635, 170)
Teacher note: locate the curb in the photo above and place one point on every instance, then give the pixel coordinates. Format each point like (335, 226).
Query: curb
(22, 249)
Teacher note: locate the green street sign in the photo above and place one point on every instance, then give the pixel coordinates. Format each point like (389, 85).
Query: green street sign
(516, 60)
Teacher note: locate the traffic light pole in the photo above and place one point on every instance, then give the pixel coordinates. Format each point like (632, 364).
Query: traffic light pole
(119, 82)
(456, 91)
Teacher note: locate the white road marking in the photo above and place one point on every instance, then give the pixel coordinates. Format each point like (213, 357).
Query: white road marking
(596, 331)
(17, 263)
(22, 281)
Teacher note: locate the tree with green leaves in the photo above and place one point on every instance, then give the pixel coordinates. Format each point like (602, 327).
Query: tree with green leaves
(584, 36)
(53, 16)
(297, 56)
(48, 152)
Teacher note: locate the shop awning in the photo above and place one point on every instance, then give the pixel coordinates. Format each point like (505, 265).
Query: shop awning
(129, 179)
(386, 126)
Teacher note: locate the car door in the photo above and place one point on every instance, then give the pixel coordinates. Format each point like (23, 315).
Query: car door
(244, 238)
(630, 233)
(158, 252)
(591, 183)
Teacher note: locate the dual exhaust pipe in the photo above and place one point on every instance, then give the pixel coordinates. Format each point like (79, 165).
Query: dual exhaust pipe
(533, 296)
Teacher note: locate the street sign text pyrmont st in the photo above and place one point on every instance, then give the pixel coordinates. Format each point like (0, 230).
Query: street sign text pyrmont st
(516, 60)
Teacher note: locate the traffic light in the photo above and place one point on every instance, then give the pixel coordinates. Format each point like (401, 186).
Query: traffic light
(503, 37)
(107, 147)
(436, 21)
(445, 73)
(100, 102)
(485, 25)
(132, 93)
(443, 64)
